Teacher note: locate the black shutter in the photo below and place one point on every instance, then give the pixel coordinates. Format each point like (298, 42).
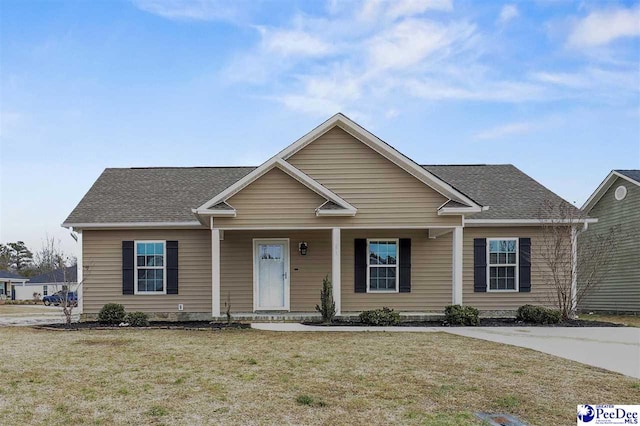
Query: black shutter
(524, 264)
(360, 271)
(479, 265)
(172, 267)
(405, 265)
(128, 263)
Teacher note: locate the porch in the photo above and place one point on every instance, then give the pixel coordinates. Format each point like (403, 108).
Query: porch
(277, 274)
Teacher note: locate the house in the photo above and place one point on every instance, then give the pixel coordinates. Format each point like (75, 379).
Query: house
(9, 282)
(616, 203)
(338, 202)
(47, 283)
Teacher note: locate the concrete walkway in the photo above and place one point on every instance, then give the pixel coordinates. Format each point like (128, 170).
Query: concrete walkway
(611, 348)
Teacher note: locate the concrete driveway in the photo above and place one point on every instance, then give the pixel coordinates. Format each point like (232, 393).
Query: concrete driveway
(11, 315)
(612, 348)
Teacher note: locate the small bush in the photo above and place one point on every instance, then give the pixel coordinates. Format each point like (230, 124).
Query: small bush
(538, 314)
(137, 319)
(461, 315)
(112, 313)
(310, 401)
(327, 307)
(384, 316)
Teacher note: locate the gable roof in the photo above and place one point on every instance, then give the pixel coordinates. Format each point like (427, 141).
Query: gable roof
(381, 147)
(632, 176)
(293, 172)
(57, 276)
(510, 193)
(11, 275)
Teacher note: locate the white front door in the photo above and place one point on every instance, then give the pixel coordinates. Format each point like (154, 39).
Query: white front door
(271, 275)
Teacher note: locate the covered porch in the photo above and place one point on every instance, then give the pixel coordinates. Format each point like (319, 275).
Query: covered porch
(277, 274)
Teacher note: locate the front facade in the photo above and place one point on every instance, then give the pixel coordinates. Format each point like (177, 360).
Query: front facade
(616, 203)
(10, 284)
(338, 203)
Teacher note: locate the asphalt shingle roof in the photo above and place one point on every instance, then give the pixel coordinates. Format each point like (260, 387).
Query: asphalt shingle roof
(168, 194)
(509, 193)
(57, 276)
(7, 274)
(633, 174)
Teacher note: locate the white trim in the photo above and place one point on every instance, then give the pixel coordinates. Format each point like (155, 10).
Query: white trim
(263, 169)
(287, 272)
(380, 147)
(117, 225)
(80, 276)
(397, 266)
(334, 212)
(574, 269)
(215, 213)
(444, 211)
(335, 269)
(317, 228)
(135, 268)
(456, 264)
(498, 265)
(525, 222)
(603, 188)
(215, 271)
(438, 232)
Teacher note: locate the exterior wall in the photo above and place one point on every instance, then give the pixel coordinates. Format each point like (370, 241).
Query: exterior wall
(306, 272)
(620, 290)
(541, 292)
(383, 193)
(102, 259)
(275, 199)
(431, 284)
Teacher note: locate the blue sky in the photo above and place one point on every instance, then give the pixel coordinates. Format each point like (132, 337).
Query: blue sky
(550, 86)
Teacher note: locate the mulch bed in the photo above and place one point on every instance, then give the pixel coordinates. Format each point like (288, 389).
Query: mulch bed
(167, 325)
(484, 322)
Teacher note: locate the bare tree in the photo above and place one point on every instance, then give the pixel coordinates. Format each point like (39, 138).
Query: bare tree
(573, 270)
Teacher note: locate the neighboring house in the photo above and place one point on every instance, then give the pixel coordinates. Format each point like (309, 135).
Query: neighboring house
(9, 283)
(47, 283)
(616, 203)
(338, 202)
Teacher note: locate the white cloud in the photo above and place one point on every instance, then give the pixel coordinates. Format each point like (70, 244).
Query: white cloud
(505, 130)
(410, 42)
(600, 28)
(507, 13)
(395, 9)
(293, 43)
(194, 10)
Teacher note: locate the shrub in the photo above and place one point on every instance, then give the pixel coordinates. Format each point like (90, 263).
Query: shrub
(112, 313)
(384, 316)
(461, 315)
(327, 307)
(137, 319)
(538, 314)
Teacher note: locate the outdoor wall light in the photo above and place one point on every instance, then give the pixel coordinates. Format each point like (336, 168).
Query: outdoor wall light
(302, 248)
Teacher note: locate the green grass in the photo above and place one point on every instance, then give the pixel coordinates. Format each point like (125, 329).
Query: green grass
(629, 320)
(251, 377)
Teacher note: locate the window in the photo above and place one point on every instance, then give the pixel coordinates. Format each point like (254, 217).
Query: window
(45, 290)
(503, 264)
(382, 265)
(150, 267)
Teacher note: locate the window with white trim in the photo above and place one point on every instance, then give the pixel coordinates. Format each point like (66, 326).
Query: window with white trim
(150, 267)
(45, 290)
(503, 264)
(382, 265)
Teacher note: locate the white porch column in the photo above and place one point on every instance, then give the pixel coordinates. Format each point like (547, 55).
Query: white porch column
(574, 269)
(215, 272)
(80, 276)
(457, 266)
(335, 268)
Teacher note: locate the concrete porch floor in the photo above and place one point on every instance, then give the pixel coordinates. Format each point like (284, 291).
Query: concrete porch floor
(315, 316)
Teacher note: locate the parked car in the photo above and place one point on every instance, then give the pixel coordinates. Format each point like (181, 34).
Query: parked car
(59, 297)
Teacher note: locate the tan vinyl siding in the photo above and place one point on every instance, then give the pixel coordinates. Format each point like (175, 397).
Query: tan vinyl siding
(306, 272)
(620, 288)
(430, 273)
(275, 199)
(541, 292)
(102, 260)
(383, 193)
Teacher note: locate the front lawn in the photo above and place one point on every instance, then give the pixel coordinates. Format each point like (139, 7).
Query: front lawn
(9, 310)
(251, 377)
